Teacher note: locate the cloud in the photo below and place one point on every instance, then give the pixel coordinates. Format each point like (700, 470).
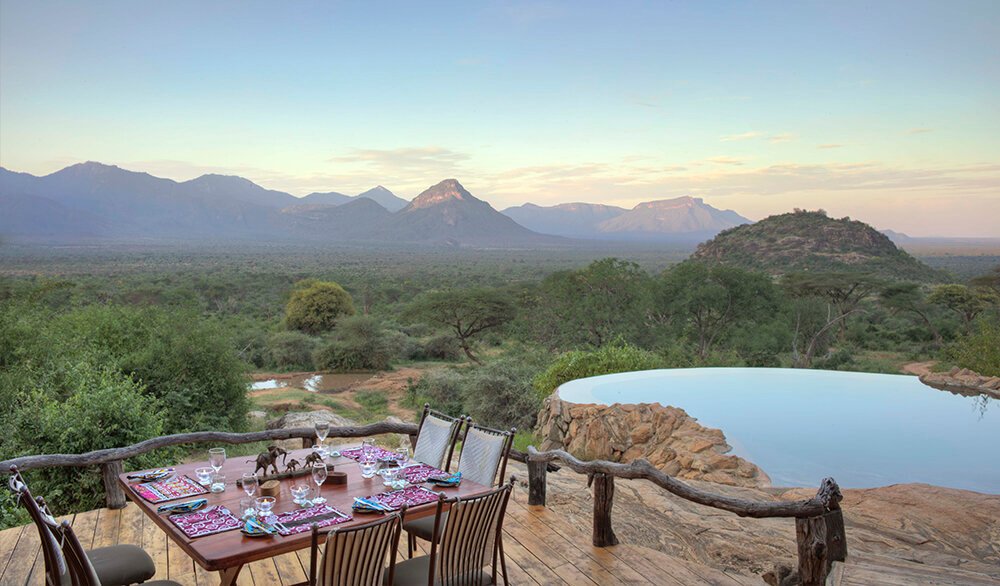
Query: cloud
(830, 145)
(723, 160)
(919, 130)
(782, 137)
(741, 136)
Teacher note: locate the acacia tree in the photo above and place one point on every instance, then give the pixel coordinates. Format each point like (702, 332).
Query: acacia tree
(466, 312)
(711, 300)
(592, 306)
(968, 303)
(909, 298)
(844, 290)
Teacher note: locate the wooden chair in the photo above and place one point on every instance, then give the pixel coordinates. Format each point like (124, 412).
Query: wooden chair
(436, 438)
(463, 546)
(356, 556)
(81, 569)
(483, 459)
(117, 565)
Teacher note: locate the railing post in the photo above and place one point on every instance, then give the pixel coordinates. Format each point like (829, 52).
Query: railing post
(821, 541)
(114, 496)
(536, 482)
(604, 494)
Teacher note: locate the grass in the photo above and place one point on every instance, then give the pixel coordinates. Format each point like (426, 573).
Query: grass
(523, 439)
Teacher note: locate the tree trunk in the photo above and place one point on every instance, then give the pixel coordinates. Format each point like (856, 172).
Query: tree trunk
(468, 352)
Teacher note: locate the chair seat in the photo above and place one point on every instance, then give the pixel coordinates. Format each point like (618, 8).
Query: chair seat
(414, 573)
(424, 526)
(119, 565)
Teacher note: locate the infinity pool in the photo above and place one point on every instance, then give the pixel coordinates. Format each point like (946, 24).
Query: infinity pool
(863, 429)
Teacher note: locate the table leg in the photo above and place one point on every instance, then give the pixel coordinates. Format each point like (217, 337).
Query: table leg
(228, 576)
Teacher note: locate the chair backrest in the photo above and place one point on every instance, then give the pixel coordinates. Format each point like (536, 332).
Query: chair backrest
(436, 438)
(80, 568)
(357, 556)
(484, 454)
(56, 569)
(467, 542)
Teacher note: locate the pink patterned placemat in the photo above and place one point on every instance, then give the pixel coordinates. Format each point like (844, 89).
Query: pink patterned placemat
(420, 473)
(301, 520)
(172, 488)
(380, 453)
(410, 496)
(206, 522)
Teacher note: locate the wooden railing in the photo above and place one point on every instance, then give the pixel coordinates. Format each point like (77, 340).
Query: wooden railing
(819, 521)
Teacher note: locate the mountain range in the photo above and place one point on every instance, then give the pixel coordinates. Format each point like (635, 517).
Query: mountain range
(92, 201)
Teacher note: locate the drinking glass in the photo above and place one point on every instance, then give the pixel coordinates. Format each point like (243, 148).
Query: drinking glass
(319, 476)
(402, 456)
(322, 430)
(368, 447)
(218, 483)
(204, 475)
(319, 449)
(246, 508)
(249, 483)
(216, 458)
(368, 465)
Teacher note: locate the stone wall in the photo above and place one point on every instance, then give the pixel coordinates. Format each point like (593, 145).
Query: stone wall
(964, 382)
(666, 436)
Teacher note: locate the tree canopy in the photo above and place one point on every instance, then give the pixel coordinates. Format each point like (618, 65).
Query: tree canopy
(466, 313)
(315, 306)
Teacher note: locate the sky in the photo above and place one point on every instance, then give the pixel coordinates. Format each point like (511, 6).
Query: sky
(887, 111)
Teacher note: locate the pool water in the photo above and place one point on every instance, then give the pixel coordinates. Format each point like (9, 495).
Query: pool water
(800, 426)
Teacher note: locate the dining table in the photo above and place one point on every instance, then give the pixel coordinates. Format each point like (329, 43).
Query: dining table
(228, 551)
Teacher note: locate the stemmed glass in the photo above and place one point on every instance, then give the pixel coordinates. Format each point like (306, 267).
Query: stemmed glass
(216, 458)
(250, 487)
(319, 476)
(402, 455)
(322, 430)
(368, 447)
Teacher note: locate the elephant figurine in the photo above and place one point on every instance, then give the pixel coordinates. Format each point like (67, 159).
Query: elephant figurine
(292, 465)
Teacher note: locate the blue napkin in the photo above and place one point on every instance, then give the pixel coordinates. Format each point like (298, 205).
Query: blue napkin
(150, 475)
(369, 506)
(185, 507)
(451, 480)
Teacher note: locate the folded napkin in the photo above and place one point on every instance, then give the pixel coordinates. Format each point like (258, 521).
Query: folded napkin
(447, 479)
(185, 507)
(369, 506)
(150, 475)
(254, 528)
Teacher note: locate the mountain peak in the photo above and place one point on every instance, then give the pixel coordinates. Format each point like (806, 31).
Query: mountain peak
(449, 190)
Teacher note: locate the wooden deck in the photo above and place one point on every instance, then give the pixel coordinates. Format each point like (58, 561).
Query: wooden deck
(541, 547)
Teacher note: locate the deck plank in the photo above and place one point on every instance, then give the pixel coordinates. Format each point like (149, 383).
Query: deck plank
(22, 558)
(8, 539)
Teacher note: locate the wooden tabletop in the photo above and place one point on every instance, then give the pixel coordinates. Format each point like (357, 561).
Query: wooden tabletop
(232, 549)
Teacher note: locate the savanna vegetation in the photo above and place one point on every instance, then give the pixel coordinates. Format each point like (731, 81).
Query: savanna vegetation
(102, 351)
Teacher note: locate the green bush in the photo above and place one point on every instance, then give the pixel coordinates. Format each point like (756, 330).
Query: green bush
(500, 394)
(979, 351)
(442, 389)
(104, 410)
(605, 360)
(360, 344)
(291, 351)
(315, 306)
(442, 347)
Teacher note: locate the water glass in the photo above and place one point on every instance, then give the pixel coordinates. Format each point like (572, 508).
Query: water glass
(368, 466)
(246, 508)
(218, 483)
(321, 450)
(319, 477)
(402, 456)
(216, 458)
(322, 430)
(368, 447)
(299, 493)
(249, 483)
(204, 475)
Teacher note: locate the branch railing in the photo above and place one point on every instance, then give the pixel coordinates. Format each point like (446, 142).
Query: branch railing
(819, 521)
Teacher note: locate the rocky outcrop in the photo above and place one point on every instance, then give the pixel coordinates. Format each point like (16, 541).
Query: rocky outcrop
(964, 382)
(667, 437)
(305, 419)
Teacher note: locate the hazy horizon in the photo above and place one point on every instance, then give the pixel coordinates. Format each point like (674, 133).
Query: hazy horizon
(887, 113)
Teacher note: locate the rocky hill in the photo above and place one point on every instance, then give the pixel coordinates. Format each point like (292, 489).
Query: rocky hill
(573, 220)
(810, 241)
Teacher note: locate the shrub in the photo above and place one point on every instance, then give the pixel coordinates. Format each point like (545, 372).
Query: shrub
(361, 344)
(443, 347)
(500, 394)
(315, 306)
(605, 360)
(442, 389)
(291, 350)
(979, 351)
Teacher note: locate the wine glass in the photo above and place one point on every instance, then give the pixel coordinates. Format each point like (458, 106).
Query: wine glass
(319, 476)
(402, 455)
(322, 430)
(368, 447)
(216, 458)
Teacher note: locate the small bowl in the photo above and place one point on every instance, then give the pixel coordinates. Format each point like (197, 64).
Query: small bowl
(264, 504)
